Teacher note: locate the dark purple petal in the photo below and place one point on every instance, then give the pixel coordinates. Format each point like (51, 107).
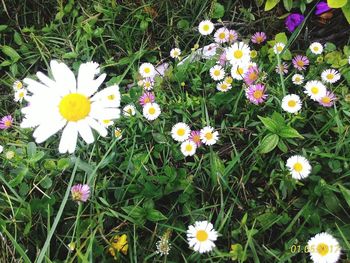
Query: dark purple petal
(293, 21)
(321, 8)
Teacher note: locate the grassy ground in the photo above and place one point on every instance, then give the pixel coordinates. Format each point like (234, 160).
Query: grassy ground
(142, 185)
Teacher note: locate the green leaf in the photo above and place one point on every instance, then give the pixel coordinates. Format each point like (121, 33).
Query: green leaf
(269, 123)
(155, 215)
(346, 11)
(219, 11)
(277, 117)
(17, 38)
(282, 38)
(269, 143)
(63, 164)
(31, 149)
(9, 51)
(289, 132)
(282, 146)
(336, 3)
(288, 4)
(183, 24)
(46, 183)
(270, 4)
(3, 27)
(159, 137)
(346, 194)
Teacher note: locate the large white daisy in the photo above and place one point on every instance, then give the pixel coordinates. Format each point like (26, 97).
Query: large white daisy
(70, 103)
(315, 89)
(238, 53)
(324, 248)
(180, 132)
(298, 166)
(201, 236)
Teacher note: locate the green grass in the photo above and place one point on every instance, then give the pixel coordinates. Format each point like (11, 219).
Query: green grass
(142, 185)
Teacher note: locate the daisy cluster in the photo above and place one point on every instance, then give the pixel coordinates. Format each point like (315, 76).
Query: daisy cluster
(191, 140)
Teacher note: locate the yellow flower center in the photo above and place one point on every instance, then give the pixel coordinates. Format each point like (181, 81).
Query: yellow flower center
(217, 72)
(111, 97)
(240, 71)
(196, 138)
(223, 86)
(238, 54)
(129, 111)
(117, 133)
(253, 54)
(181, 132)
(147, 100)
(228, 80)
(188, 147)
(259, 39)
(202, 235)
(292, 103)
(322, 249)
(7, 123)
(147, 70)
(330, 76)
(208, 136)
(19, 85)
(21, 94)
(106, 121)
(257, 94)
(77, 196)
(152, 111)
(314, 90)
(300, 63)
(222, 35)
(252, 76)
(315, 48)
(74, 107)
(147, 84)
(297, 79)
(206, 27)
(279, 48)
(298, 167)
(326, 99)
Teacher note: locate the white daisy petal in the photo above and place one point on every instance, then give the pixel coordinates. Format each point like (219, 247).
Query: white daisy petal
(63, 76)
(69, 138)
(44, 131)
(97, 126)
(85, 131)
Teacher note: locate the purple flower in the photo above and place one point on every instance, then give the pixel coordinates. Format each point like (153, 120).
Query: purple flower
(259, 37)
(256, 94)
(283, 68)
(80, 192)
(147, 97)
(300, 62)
(328, 99)
(222, 59)
(321, 7)
(251, 75)
(293, 21)
(195, 136)
(6, 122)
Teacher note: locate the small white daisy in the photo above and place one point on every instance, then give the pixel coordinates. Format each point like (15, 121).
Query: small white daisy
(315, 89)
(206, 27)
(17, 85)
(238, 53)
(298, 79)
(129, 110)
(147, 70)
(223, 86)
(118, 133)
(298, 166)
(201, 236)
(175, 53)
(291, 103)
(20, 95)
(316, 48)
(217, 72)
(151, 111)
(147, 83)
(278, 48)
(208, 135)
(180, 132)
(222, 35)
(330, 75)
(188, 148)
(324, 248)
(238, 71)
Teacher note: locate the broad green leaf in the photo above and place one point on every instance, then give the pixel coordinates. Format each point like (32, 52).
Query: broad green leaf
(336, 3)
(3, 27)
(278, 118)
(270, 4)
(288, 4)
(269, 143)
(270, 124)
(346, 194)
(346, 11)
(155, 215)
(219, 11)
(289, 132)
(9, 51)
(282, 38)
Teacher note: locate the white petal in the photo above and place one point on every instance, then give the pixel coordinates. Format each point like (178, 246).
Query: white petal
(97, 126)
(63, 76)
(85, 131)
(44, 131)
(86, 75)
(69, 138)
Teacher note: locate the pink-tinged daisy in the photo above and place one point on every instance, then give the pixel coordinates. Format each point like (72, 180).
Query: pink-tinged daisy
(221, 35)
(80, 192)
(195, 136)
(256, 94)
(282, 68)
(6, 122)
(251, 75)
(328, 99)
(300, 62)
(232, 36)
(258, 37)
(222, 59)
(146, 97)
